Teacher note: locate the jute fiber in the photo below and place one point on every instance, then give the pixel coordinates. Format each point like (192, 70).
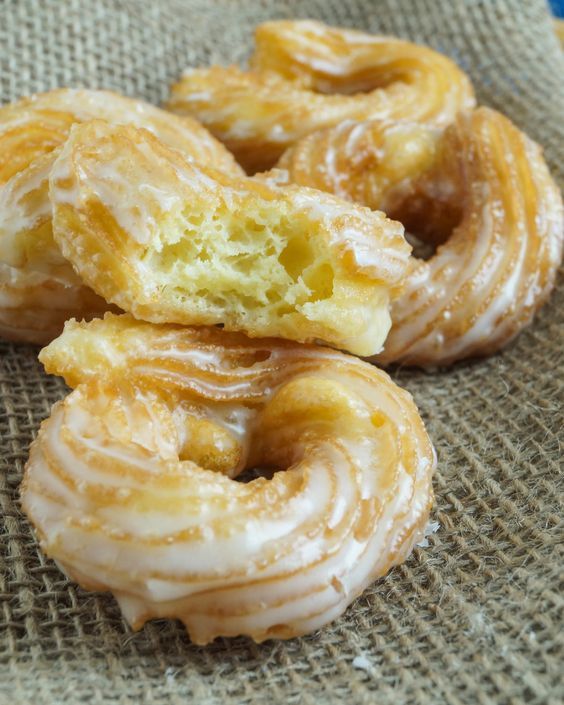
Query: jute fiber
(474, 617)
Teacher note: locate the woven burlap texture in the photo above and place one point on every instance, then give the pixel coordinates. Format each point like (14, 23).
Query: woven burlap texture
(472, 618)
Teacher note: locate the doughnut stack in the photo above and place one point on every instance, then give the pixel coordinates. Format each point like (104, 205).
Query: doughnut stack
(220, 282)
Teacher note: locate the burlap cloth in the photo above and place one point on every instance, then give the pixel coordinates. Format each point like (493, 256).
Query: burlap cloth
(472, 618)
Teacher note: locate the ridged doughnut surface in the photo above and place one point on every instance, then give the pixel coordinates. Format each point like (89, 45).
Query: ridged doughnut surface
(172, 241)
(482, 192)
(129, 481)
(306, 76)
(36, 125)
(38, 288)
(33, 307)
(374, 162)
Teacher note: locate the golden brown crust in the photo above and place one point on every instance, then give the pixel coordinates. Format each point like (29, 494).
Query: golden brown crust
(127, 498)
(306, 76)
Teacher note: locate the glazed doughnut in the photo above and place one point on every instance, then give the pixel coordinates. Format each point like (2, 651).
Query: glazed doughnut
(38, 288)
(306, 76)
(127, 498)
(38, 124)
(482, 192)
(175, 242)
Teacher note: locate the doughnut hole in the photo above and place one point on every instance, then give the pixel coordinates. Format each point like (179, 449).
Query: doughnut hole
(408, 171)
(405, 169)
(417, 189)
(433, 204)
(303, 411)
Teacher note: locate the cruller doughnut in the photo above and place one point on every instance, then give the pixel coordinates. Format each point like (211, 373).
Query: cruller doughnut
(129, 481)
(38, 288)
(305, 76)
(482, 192)
(173, 241)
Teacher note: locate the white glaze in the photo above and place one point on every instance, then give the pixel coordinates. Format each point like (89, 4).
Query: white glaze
(298, 561)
